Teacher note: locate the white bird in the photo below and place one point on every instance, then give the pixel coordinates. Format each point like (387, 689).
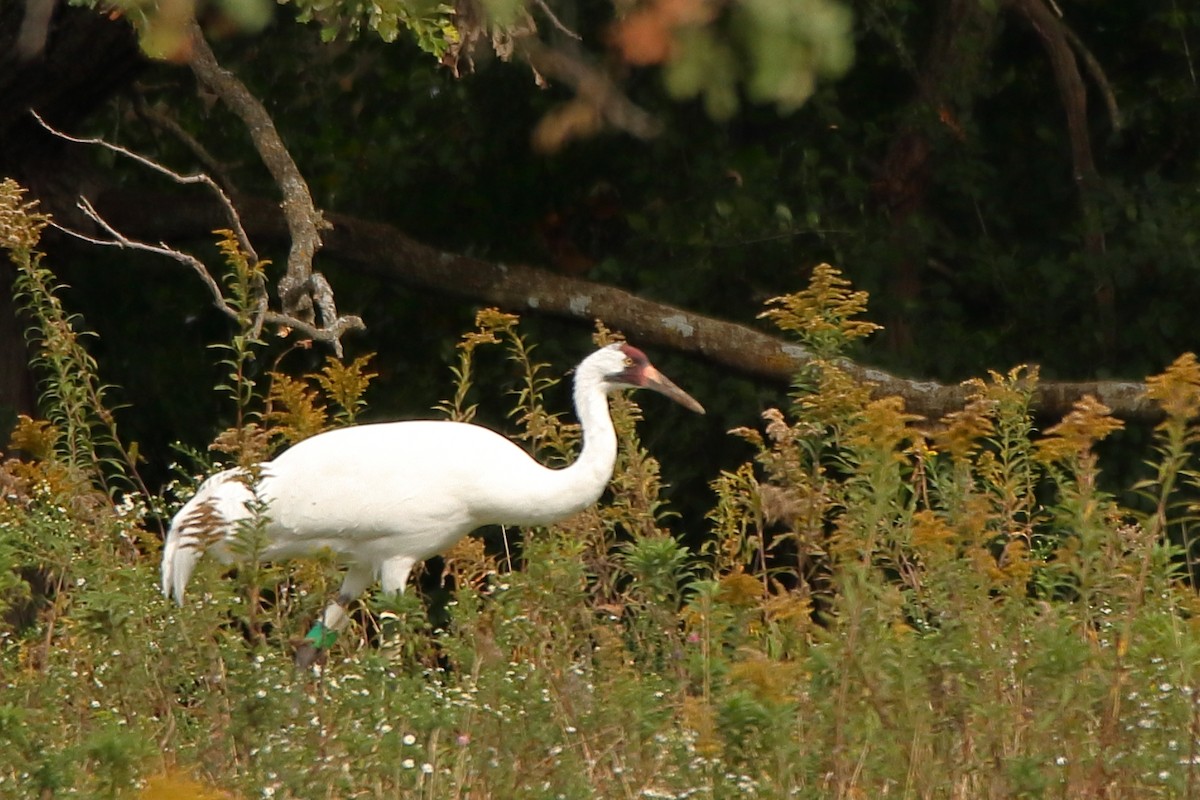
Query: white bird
(384, 496)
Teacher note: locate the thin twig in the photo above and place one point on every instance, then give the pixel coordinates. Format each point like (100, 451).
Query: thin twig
(315, 285)
(330, 334)
(200, 178)
(125, 243)
(556, 22)
(167, 124)
(1187, 51)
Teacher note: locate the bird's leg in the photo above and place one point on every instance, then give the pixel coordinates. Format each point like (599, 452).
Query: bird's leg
(393, 577)
(334, 618)
(394, 574)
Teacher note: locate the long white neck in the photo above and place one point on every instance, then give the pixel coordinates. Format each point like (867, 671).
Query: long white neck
(571, 489)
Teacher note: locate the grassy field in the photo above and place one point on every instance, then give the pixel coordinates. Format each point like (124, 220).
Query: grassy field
(882, 607)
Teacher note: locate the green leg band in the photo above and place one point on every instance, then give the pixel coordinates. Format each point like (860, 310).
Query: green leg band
(320, 636)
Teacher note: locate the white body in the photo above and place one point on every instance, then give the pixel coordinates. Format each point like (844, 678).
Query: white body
(393, 493)
(386, 496)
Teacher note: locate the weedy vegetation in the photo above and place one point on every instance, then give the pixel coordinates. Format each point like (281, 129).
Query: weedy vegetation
(878, 606)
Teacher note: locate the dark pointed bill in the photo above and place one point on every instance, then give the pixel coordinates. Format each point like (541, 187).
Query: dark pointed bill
(653, 379)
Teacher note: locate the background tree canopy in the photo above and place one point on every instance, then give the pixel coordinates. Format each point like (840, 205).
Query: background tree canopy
(1009, 184)
(1010, 181)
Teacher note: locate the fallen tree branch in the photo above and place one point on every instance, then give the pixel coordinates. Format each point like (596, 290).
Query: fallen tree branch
(384, 251)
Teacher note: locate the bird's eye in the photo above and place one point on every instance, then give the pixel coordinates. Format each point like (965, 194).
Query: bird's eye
(628, 361)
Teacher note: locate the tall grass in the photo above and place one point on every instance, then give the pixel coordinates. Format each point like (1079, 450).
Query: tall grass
(882, 607)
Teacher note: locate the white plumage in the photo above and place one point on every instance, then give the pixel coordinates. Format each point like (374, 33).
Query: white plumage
(385, 496)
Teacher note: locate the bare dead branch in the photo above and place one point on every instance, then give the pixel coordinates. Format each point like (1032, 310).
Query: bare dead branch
(316, 288)
(302, 291)
(125, 243)
(304, 221)
(322, 295)
(330, 334)
(231, 215)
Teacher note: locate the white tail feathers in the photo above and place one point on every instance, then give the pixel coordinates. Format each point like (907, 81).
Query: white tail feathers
(207, 520)
(180, 554)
